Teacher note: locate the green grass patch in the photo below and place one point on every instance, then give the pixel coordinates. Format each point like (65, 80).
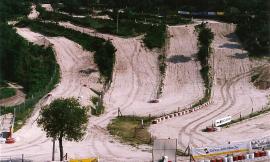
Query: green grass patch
(128, 129)
(7, 92)
(104, 50)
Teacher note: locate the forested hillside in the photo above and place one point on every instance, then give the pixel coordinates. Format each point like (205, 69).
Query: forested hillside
(29, 65)
(11, 9)
(251, 16)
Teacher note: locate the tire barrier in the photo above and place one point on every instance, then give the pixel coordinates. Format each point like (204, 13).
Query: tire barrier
(184, 111)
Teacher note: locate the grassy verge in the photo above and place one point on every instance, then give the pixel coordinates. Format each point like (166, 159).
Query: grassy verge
(104, 50)
(205, 38)
(7, 92)
(162, 68)
(128, 129)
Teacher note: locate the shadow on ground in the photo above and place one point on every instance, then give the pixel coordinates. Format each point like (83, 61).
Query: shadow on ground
(231, 46)
(232, 37)
(240, 55)
(178, 59)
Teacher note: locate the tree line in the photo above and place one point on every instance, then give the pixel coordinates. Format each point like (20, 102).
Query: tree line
(251, 17)
(29, 65)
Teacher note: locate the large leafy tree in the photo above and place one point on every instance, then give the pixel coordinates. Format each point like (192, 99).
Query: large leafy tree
(64, 119)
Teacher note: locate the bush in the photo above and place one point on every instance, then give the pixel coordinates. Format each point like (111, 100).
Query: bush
(7, 92)
(98, 108)
(155, 36)
(205, 39)
(128, 129)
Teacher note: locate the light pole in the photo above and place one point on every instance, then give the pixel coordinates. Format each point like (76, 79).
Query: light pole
(117, 21)
(53, 149)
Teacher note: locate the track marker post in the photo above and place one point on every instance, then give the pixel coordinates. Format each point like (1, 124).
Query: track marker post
(119, 113)
(240, 116)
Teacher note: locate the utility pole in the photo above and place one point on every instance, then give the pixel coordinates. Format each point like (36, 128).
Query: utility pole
(53, 149)
(117, 21)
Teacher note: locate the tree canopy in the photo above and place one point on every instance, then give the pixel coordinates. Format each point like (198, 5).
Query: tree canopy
(10, 9)
(64, 119)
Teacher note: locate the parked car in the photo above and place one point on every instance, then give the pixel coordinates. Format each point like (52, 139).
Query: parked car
(153, 101)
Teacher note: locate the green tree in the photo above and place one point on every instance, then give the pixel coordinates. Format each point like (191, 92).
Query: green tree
(64, 119)
(206, 36)
(72, 5)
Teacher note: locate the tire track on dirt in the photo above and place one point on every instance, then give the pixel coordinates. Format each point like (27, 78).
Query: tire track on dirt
(184, 129)
(133, 92)
(67, 75)
(124, 105)
(232, 100)
(226, 97)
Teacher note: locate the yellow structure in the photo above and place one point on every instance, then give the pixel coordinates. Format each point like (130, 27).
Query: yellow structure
(220, 13)
(84, 160)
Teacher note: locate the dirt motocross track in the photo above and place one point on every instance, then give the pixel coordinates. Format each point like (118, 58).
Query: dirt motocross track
(233, 94)
(135, 81)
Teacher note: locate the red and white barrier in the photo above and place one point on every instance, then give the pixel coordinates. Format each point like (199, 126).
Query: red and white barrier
(248, 157)
(184, 111)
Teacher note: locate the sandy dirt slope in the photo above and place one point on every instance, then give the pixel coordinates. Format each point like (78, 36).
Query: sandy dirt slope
(135, 80)
(31, 140)
(183, 83)
(232, 94)
(72, 60)
(34, 13)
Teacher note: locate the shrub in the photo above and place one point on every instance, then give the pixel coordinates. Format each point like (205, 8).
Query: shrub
(7, 92)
